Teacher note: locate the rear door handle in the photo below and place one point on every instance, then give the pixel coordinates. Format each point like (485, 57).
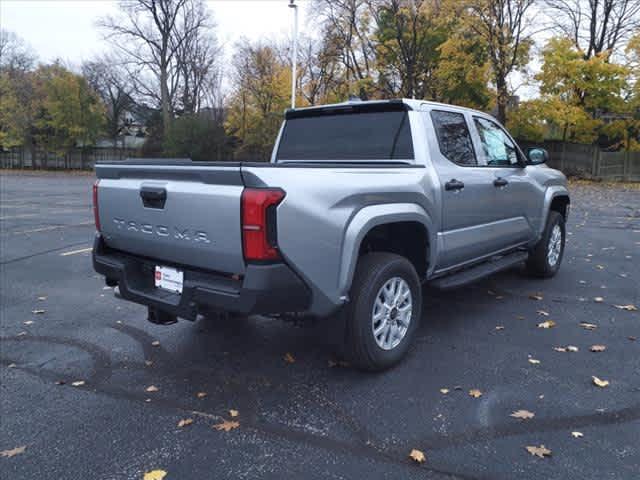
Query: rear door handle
(500, 182)
(454, 184)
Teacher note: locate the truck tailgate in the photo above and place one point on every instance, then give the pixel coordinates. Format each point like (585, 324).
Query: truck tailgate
(176, 212)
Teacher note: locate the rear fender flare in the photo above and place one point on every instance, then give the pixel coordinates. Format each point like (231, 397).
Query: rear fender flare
(372, 216)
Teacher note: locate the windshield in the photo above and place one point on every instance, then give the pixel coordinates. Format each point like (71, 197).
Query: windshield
(362, 136)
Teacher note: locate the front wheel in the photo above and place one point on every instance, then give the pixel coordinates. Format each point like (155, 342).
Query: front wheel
(384, 311)
(545, 258)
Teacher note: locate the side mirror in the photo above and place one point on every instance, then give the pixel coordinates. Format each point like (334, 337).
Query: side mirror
(538, 156)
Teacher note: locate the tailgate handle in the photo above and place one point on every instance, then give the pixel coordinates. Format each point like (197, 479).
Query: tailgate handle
(153, 197)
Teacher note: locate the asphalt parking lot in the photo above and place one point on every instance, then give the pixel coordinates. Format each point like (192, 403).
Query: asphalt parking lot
(309, 418)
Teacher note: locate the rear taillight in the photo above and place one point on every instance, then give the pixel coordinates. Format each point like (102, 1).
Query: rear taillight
(259, 241)
(96, 214)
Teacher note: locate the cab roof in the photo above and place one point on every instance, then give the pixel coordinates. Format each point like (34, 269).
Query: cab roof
(357, 105)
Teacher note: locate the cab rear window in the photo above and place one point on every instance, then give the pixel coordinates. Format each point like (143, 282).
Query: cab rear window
(362, 136)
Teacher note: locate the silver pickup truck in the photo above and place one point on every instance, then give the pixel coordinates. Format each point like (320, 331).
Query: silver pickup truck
(361, 203)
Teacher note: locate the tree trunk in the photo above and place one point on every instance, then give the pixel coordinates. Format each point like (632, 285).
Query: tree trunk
(503, 96)
(164, 99)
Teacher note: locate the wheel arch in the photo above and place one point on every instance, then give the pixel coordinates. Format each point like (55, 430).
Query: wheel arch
(371, 225)
(556, 199)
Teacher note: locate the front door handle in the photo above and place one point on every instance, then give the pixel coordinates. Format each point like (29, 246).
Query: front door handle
(500, 182)
(454, 184)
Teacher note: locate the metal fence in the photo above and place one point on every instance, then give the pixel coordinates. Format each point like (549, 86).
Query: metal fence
(77, 159)
(575, 159)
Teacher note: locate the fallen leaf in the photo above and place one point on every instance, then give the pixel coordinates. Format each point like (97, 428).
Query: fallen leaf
(598, 299)
(42, 298)
(11, 365)
(534, 361)
(523, 414)
(13, 452)
(60, 382)
(21, 334)
(444, 391)
(38, 312)
(547, 324)
(597, 348)
(588, 326)
(543, 313)
(571, 348)
(154, 475)
(540, 451)
(499, 327)
(148, 363)
(201, 394)
(475, 393)
(600, 383)
(417, 456)
(155, 343)
(28, 322)
(560, 349)
(600, 267)
(151, 388)
(234, 413)
(536, 296)
(628, 308)
(577, 434)
(227, 425)
(185, 422)
(289, 358)
(77, 383)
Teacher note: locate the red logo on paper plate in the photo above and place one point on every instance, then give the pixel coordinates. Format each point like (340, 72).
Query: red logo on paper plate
(158, 275)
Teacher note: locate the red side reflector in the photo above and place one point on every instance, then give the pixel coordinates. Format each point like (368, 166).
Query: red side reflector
(258, 223)
(96, 214)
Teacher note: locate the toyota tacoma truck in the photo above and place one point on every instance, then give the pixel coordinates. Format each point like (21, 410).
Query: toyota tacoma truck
(361, 204)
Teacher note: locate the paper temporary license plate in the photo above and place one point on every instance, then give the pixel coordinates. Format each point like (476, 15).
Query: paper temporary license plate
(169, 278)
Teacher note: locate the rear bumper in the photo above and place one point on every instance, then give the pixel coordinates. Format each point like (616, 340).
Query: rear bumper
(272, 288)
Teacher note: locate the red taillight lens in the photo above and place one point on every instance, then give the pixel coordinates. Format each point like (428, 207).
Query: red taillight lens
(258, 223)
(96, 214)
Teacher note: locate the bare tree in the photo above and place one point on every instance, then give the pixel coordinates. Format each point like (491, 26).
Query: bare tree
(15, 55)
(596, 26)
(150, 33)
(319, 70)
(197, 57)
(114, 86)
(503, 26)
(348, 24)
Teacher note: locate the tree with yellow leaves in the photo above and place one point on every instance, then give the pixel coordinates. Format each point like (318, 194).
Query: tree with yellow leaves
(256, 107)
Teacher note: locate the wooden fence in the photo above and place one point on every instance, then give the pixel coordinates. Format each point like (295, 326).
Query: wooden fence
(589, 161)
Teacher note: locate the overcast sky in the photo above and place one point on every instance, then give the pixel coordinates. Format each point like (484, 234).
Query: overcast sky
(66, 29)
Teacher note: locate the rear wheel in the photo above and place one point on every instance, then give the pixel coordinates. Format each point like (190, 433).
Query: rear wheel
(545, 258)
(384, 311)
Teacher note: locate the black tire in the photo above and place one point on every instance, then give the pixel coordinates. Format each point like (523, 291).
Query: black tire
(538, 263)
(372, 272)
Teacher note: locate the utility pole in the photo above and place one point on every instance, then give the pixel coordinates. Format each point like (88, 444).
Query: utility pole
(294, 60)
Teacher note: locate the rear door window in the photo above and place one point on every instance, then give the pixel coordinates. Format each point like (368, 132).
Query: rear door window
(454, 138)
(359, 136)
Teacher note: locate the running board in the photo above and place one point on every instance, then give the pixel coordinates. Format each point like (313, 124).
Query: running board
(471, 274)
